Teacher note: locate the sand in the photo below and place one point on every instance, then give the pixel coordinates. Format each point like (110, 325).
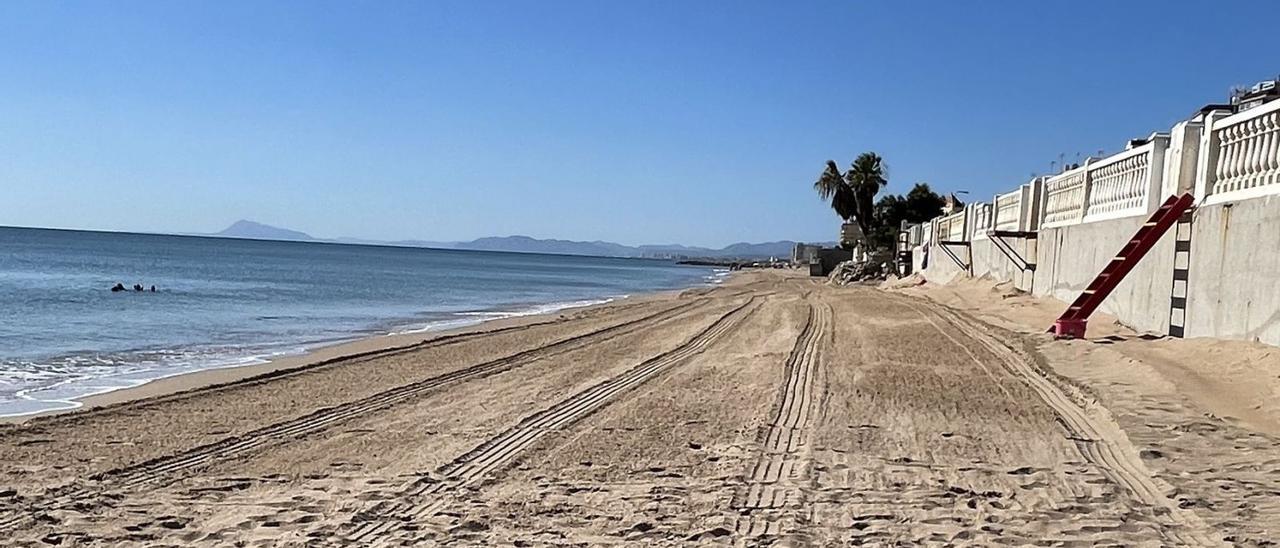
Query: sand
(775, 409)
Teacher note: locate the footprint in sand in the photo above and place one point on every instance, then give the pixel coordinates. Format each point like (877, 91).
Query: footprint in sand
(310, 518)
(25, 443)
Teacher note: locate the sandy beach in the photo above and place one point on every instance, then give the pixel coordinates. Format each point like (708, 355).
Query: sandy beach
(774, 409)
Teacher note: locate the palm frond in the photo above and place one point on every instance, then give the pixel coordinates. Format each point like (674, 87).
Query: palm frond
(830, 182)
(868, 173)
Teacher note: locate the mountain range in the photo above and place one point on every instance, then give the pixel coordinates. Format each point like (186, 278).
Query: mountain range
(525, 244)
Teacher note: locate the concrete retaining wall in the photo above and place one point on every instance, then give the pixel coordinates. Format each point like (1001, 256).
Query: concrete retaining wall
(1234, 270)
(1068, 258)
(1234, 283)
(987, 261)
(1225, 157)
(990, 261)
(1071, 256)
(941, 268)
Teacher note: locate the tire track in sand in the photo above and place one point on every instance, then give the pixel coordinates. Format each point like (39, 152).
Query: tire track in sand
(321, 365)
(428, 495)
(1099, 439)
(322, 419)
(773, 487)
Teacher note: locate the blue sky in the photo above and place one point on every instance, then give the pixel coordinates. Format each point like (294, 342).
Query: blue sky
(637, 122)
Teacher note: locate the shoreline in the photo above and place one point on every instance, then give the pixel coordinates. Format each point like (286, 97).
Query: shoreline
(363, 345)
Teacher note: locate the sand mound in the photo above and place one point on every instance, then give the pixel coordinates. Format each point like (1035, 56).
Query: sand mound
(895, 282)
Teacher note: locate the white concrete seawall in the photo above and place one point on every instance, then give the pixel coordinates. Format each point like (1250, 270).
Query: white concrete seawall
(1053, 235)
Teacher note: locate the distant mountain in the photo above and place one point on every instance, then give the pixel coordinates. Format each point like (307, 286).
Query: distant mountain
(259, 231)
(525, 244)
(780, 248)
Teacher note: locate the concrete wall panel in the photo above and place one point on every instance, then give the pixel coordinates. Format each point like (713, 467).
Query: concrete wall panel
(941, 268)
(1235, 267)
(988, 261)
(1071, 256)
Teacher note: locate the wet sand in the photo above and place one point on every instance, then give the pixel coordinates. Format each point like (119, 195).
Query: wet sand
(318, 357)
(773, 409)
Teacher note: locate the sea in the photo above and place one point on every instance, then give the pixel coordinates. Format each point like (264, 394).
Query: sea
(222, 302)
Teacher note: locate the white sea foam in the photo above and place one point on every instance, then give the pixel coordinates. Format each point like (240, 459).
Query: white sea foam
(54, 387)
(440, 325)
(61, 384)
(717, 276)
(540, 309)
(469, 318)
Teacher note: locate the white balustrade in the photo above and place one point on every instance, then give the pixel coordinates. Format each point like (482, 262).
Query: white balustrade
(1065, 198)
(1120, 185)
(951, 227)
(1248, 154)
(1008, 210)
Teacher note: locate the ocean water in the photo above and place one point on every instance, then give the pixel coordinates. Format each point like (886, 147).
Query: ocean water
(222, 302)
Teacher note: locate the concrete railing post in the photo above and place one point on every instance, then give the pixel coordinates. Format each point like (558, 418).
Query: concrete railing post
(1043, 203)
(1182, 158)
(1035, 216)
(1086, 189)
(1207, 161)
(1155, 172)
(995, 212)
(1024, 208)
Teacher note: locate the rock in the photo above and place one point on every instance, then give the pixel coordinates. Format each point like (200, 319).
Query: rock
(850, 272)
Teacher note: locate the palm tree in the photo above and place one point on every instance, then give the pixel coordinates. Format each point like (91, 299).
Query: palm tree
(853, 192)
(866, 177)
(831, 186)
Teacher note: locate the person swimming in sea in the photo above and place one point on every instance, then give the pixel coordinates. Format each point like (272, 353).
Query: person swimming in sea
(136, 287)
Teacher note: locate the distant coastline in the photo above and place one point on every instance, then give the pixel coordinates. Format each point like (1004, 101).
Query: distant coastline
(249, 230)
(526, 244)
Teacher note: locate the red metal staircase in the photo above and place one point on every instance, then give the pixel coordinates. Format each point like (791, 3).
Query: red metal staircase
(1071, 325)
